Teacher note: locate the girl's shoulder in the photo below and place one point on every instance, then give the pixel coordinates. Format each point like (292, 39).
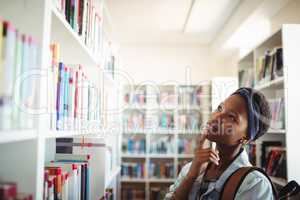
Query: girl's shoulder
(257, 184)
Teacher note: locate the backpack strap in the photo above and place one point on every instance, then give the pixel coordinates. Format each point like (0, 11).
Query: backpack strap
(234, 181)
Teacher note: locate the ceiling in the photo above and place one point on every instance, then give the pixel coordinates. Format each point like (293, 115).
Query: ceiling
(169, 21)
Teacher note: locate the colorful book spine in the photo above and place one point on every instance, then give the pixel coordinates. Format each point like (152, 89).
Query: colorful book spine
(161, 170)
(134, 145)
(162, 145)
(84, 20)
(74, 99)
(186, 145)
(18, 57)
(133, 170)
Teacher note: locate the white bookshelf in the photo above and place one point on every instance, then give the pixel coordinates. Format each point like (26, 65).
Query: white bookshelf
(24, 152)
(152, 132)
(286, 87)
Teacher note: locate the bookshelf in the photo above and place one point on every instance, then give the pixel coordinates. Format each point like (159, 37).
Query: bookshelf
(155, 120)
(274, 66)
(25, 150)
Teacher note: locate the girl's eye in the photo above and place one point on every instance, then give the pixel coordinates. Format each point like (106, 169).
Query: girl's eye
(232, 118)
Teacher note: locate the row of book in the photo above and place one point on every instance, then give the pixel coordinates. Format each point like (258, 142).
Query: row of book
(276, 162)
(191, 95)
(134, 120)
(187, 95)
(161, 170)
(186, 145)
(273, 158)
(74, 100)
(166, 120)
(162, 145)
(18, 82)
(9, 191)
(277, 111)
(134, 145)
(270, 66)
(68, 177)
(130, 193)
(85, 20)
(133, 170)
(189, 120)
(135, 97)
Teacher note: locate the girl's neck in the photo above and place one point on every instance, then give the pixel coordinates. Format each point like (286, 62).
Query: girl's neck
(227, 154)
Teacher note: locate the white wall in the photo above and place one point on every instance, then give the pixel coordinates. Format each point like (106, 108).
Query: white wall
(162, 63)
(169, 63)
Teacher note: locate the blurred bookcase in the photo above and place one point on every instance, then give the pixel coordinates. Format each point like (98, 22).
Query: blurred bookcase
(272, 67)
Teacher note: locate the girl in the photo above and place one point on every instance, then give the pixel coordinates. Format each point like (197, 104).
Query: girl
(243, 117)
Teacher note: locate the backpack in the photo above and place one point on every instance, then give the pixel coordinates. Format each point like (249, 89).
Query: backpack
(232, 184)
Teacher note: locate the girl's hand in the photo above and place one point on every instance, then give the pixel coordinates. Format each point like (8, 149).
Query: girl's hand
(202, 156)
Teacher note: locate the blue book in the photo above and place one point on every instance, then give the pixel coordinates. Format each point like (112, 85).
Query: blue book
(60, 94)
(65, 96)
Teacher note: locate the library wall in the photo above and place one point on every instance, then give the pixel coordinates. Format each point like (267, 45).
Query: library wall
(289, 14)
(154, 59)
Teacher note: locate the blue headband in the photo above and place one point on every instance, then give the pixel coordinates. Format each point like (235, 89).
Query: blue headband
(253, 112)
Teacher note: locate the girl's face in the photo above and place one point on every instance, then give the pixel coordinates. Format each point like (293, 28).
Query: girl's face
(228, 124)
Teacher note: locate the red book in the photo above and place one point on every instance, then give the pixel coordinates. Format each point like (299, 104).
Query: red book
(8, 190)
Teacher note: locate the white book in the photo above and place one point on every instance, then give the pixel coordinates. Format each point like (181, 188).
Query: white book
(9, 45)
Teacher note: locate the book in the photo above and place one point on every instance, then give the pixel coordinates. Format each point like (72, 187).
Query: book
(277, 112)
(161, 169)
(83, 163)
(74, 99)
(265, 148)
(132, 192)
(186, 145)
(132, 170)
(269, 66)
(166, 120)
(135, 97)
(17, 85)
(134, 145)
(84, 20)
(189, 120)
(162, 145)
(134, 120)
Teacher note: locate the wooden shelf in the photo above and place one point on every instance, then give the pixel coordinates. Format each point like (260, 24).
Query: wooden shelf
(17, 135)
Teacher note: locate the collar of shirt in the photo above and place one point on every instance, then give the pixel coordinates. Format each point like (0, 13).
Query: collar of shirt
(240, 161)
